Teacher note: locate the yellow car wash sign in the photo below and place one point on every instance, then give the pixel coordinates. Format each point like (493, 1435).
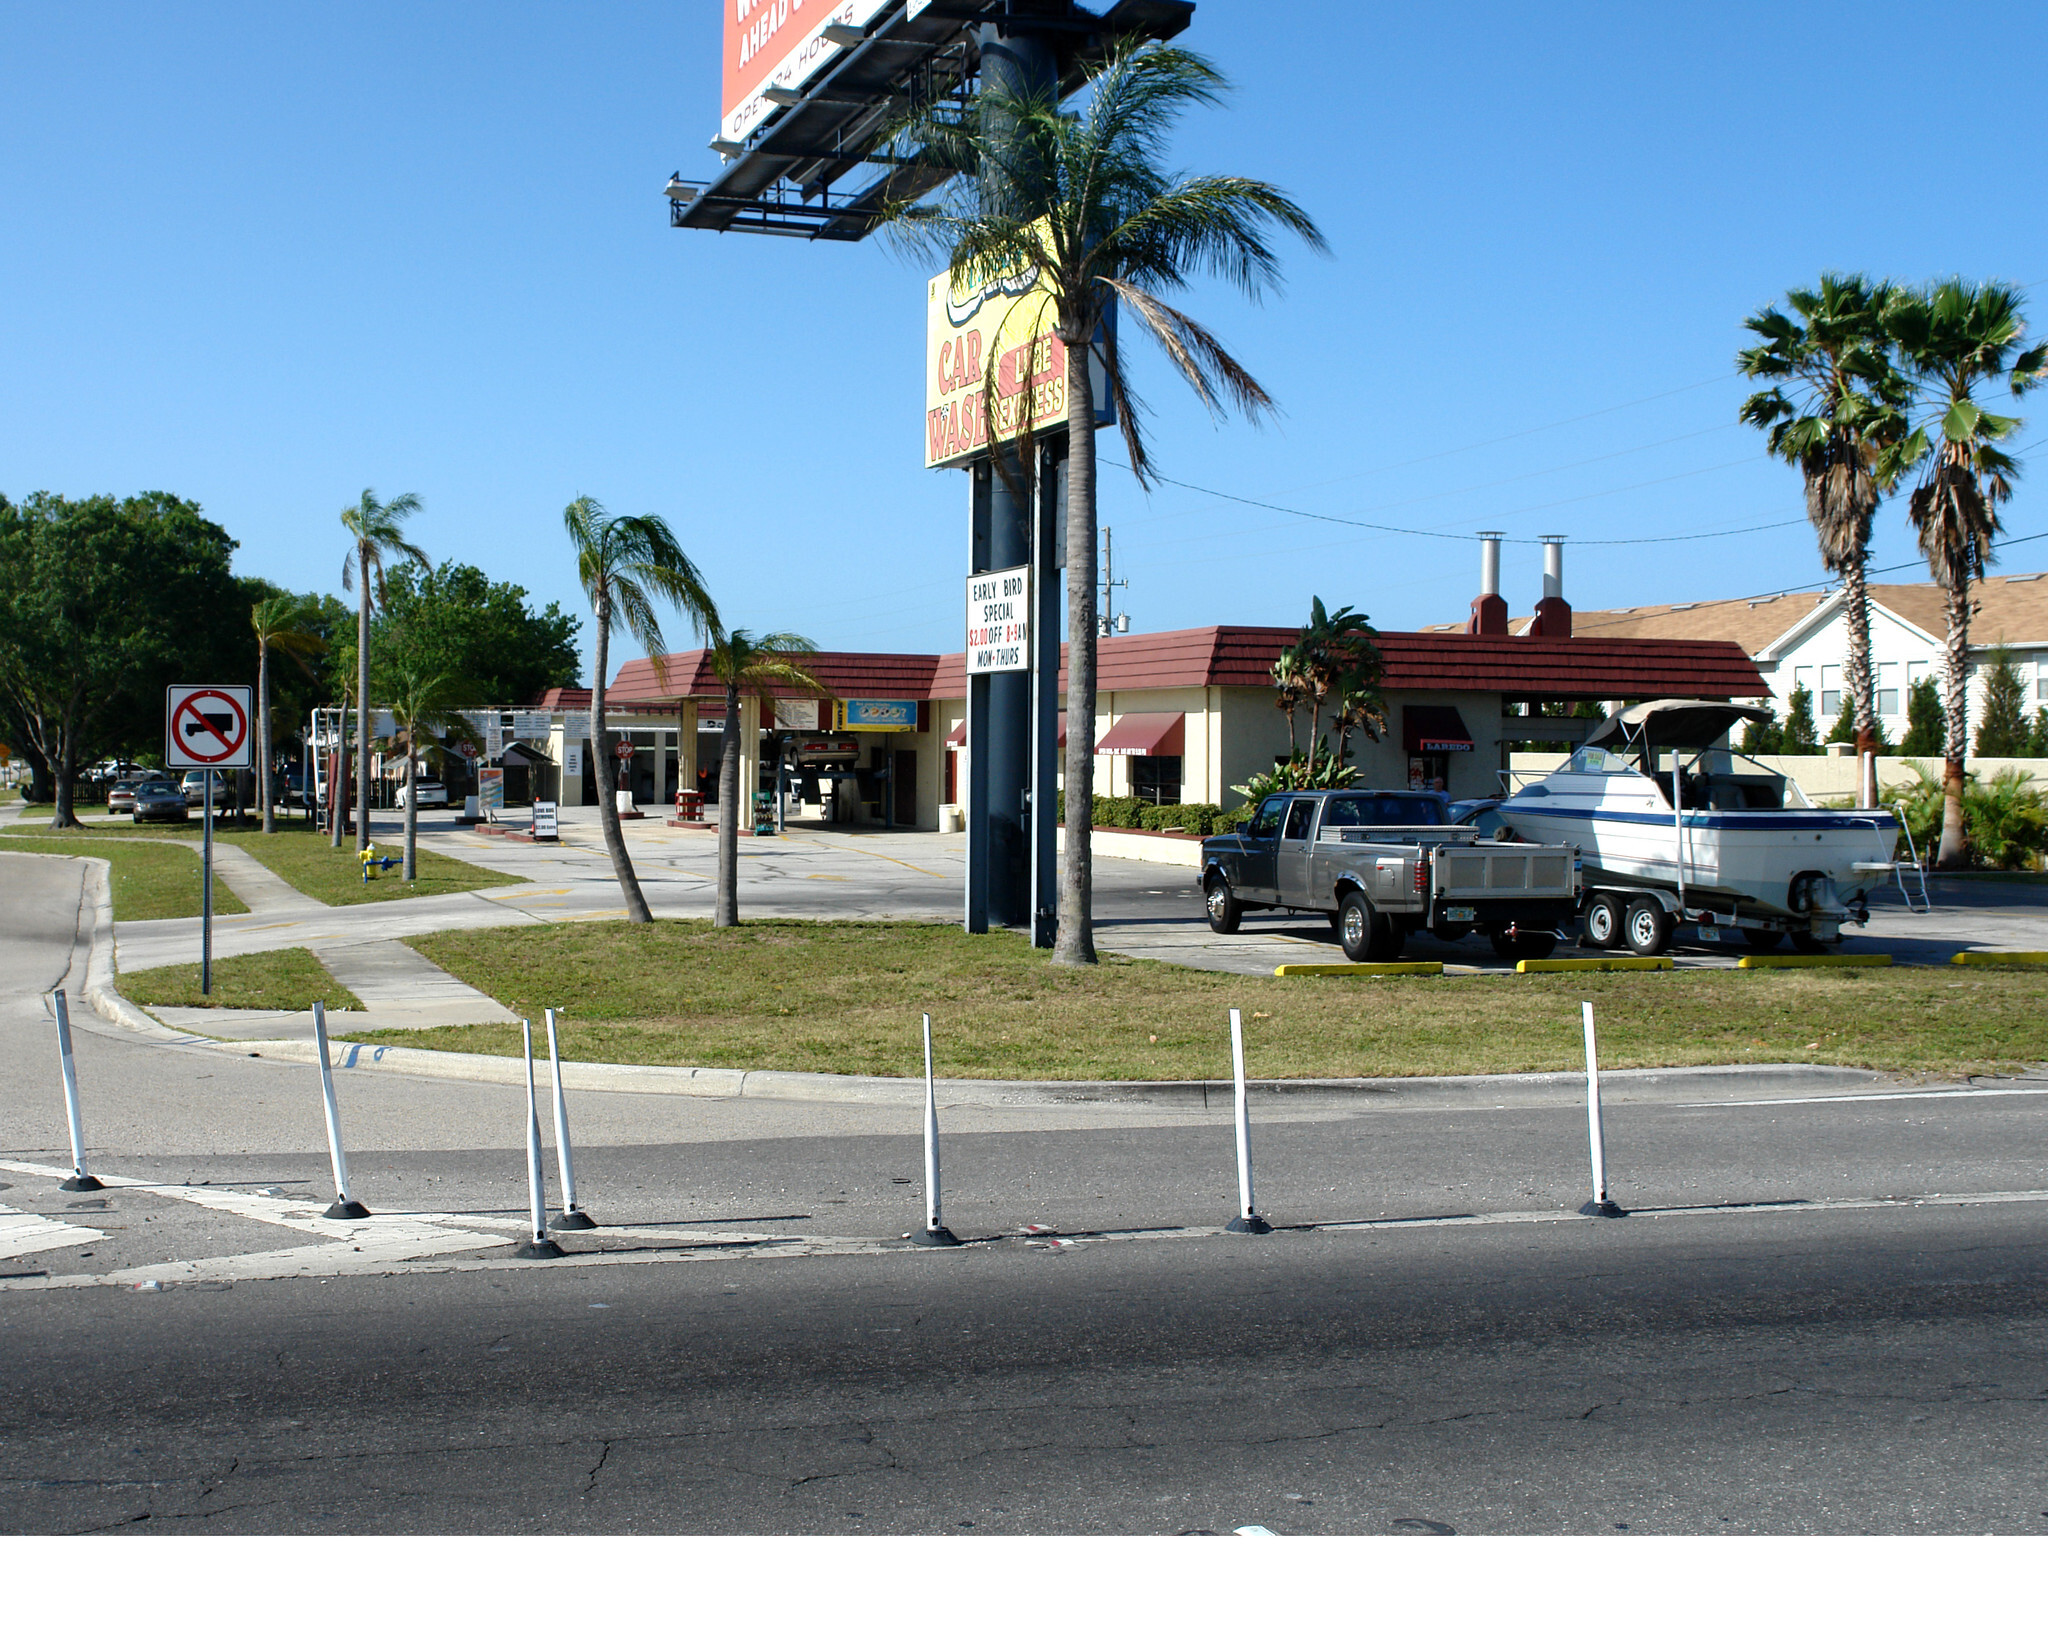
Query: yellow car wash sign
(1002, 327)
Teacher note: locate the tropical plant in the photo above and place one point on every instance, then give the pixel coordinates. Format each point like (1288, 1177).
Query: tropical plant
(2002, 729)
(1078, 204)
(426, 698)
(1957, 338)
(625, 562)
(1299, 770)
(1925, 720)
(747, 665)
(1288, 689)
(1835, 405)
(376, 529)
(279, 623)
(2007, 817)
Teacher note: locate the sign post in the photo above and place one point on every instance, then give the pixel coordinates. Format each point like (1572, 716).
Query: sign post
(206, 726)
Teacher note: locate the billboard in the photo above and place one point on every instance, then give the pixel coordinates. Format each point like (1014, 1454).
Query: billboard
(779, 42)
(1006, 326)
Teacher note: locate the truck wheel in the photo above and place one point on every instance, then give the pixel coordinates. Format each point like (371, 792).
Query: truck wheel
(1224, 909)
(1534, 943)
(1603, 920)
(1359, 929)
(1645, 927)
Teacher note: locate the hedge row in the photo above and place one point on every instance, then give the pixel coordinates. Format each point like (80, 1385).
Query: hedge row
(1190, 818)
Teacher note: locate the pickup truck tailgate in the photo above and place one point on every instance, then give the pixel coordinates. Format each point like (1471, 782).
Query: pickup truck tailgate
(1518, 871)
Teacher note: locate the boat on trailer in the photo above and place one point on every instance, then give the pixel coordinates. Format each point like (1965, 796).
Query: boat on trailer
(1675, 828)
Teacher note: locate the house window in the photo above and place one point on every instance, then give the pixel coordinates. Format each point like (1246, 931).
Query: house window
(2041, 686)
(1830, 690)
(1802, 678)
(1916, 672)
(1887, 688)
(1156, 780)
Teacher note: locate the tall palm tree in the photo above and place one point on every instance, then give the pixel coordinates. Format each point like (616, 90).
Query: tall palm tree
(625, 562)
(747, 665)
(426, 703)
(279, 623)
(1957, 337)
(1327, 653)
(377, 528)
(1081, 199)
(1835, 404)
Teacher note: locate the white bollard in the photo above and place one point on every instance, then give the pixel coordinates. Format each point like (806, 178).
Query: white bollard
(1602, 1206)
(344, 1206)
(572, 1217)
(1247, 1220)
(541, 1245)
(934, 1234)
(80, 1180)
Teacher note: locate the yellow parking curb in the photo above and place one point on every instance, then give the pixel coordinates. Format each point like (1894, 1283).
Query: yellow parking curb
(1652, 963)
(1804, 962)
(2000, 957)
(1383, 968)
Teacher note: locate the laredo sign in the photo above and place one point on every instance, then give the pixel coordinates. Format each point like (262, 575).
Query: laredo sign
(999, 621)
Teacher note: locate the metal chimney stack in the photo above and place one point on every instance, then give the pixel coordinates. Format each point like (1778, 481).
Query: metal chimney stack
(1553, 614)
(1489, 609)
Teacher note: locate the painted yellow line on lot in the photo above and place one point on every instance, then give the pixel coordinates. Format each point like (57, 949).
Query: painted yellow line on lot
(1804, 962)
(2001, 957)
(1652, 963)
(1389, 968)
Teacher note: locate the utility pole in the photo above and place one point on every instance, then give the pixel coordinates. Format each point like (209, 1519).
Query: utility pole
(1109, 622)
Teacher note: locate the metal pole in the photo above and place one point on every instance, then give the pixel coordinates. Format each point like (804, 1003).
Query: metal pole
(344, 1206)
(934, 1234)
(206, 891)
(1602, 1206)
(80, 1180)
(541, 1245)
(1678, 830)
(1248, 1220)
(572, 1217)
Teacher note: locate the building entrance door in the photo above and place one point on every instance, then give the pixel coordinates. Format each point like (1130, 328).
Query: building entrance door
(903, 786)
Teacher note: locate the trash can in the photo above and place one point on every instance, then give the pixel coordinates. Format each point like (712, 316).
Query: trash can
(690, 806)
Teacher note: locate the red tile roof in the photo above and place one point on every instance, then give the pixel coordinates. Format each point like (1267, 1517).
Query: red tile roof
(847, 675)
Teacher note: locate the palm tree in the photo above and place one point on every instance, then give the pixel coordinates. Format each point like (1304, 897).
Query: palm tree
(1835, 406)
(1327, 653)
(625, 562)
(377, 529)
(1288, 691)
(1957, 337)
(425, 706)
(279, 625)
(747, 665)
(1081, 200)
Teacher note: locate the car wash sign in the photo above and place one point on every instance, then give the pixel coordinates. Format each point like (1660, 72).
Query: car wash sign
(999, 621)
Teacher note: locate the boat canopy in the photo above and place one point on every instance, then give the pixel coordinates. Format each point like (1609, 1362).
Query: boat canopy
(1656, 725)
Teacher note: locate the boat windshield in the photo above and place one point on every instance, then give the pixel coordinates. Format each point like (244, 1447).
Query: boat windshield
(1722, 781)
(1592, 759)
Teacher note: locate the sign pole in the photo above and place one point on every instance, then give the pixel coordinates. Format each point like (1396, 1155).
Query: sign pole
(206, 893)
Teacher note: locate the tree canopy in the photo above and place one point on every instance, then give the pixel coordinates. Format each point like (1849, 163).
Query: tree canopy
(454, 616)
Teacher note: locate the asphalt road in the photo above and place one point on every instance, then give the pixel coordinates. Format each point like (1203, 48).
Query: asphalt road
(1823, 1314)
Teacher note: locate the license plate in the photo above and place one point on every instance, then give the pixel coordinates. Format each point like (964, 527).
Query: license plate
(1457, 913)
(1710, 934)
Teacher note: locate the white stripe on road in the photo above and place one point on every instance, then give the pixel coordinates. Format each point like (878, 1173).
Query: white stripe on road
(31, 1233)
(1825, 1100)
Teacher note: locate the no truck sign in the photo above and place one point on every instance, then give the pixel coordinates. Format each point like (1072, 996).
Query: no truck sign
(207, 726)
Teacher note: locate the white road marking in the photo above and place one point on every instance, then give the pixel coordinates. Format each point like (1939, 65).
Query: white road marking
(30, 1233)
(1825, 1100)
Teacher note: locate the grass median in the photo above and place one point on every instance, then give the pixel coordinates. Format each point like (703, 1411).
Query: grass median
(151, 880)
(845, 998)
(280, 980)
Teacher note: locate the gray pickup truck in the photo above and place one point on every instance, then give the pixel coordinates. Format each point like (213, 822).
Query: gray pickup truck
(1383, 863)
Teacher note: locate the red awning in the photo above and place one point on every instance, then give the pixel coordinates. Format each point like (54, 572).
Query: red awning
(1433, 728)
(958, 738)
(1145, 734)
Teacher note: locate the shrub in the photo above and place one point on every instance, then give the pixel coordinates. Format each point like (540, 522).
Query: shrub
(2006, 821)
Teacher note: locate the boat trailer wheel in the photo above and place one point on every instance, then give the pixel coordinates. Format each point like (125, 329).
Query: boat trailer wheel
(1645, 927)
(1603, 920)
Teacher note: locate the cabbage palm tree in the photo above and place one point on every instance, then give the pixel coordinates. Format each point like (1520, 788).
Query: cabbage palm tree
(426, 702)
(279, 623)
(747, 665)
(376, 528)
(625, 562)
(1835, 404)
(1081, 199)
(1958, 337)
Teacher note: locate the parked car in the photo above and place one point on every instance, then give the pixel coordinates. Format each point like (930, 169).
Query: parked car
(431, 793)
(195, 788)
(121, 796)
(158, 801)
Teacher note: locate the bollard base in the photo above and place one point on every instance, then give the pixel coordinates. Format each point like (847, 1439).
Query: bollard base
(936, 1237)
(545, 1248)
(83, 1182)
(574, 1219)
(1249, 1225)
(1605, 1208)
(345, 1208)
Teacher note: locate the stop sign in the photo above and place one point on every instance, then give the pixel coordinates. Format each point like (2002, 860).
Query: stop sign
(467, 748)
(622, 749)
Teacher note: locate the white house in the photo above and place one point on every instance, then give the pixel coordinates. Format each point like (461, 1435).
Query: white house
(1798, 640)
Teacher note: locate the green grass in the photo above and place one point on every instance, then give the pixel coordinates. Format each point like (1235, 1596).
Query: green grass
(281, 980)
(301, 857)
(151, 880)
(845, 998)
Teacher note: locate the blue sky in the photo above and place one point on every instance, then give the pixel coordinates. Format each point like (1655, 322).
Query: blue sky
(264, 256)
